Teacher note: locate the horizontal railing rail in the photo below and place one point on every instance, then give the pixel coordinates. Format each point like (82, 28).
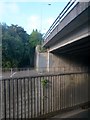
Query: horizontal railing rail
(15, 72)
(64, 12)
(34, 96)
(45, 69)
(16, 69)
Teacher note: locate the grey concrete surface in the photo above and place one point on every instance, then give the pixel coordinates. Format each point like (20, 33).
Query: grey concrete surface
(79, 113)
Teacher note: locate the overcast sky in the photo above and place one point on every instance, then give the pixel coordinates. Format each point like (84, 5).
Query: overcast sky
(30, 15)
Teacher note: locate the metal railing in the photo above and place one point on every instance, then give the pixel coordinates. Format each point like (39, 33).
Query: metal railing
(34, 96)
(45, 69)
(16, 69)
(60, 17)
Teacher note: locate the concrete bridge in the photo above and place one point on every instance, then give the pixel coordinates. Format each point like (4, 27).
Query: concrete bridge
(44, 95)
(67, 40)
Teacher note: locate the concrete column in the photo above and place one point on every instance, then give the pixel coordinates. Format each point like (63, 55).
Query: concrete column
(48, 60)
(37, 58)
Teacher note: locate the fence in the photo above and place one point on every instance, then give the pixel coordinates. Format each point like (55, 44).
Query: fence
(30, 97)
(46, 69)
(16, 69)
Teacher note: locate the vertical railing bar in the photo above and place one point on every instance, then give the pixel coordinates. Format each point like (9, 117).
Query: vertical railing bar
(9, 99)
(54, 91)
(55, 97)
(74, 91)
(28, 99)
(64, 92)
(5, 99)
(24, 99)
(21, 97)
(13, 101)
(71, 91)
(34, 98)
(17, 100)
(42, 101)
(36, 83)
(49, 101)
(58, 91)
(47, 98)
(39, 96)
(43, 96)
(51, 93)
(82, 93)
(60, 95)
(31, 99)
(75, 88)
(80, 87)
(56, 87)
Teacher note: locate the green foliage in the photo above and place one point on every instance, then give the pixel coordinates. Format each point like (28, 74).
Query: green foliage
(18, 48)
(42, 49)
(44, 82)
(35, 38)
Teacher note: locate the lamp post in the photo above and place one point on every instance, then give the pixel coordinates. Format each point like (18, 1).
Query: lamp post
(49, 4)
(41, 23)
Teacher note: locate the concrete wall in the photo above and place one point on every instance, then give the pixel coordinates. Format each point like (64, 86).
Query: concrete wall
(72, 63)
(41, 60)
(50, 62)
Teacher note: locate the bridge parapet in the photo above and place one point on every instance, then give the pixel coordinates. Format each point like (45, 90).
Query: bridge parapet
(69, 13)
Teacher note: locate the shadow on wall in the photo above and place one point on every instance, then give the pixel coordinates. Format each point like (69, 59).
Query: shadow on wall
(69, 62)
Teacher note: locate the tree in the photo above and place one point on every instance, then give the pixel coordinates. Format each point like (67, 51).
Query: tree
(14, 39)
(35, 38)
(18, 48)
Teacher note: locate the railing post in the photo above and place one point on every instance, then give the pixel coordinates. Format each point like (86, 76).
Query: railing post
(11, 71)
(0, 99)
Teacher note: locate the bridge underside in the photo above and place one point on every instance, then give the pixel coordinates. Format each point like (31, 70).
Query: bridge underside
(78, 50)
(74, 55)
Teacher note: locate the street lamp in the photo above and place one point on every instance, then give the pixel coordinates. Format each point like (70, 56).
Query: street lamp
(42, 19)
(42, 16)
